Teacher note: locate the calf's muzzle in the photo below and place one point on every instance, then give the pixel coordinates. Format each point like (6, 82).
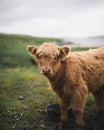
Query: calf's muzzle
(46, 70)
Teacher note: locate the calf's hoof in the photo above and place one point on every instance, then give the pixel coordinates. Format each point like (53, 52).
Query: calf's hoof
(62, 126)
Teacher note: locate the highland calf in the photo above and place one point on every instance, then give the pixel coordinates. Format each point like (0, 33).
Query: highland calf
(72, 76)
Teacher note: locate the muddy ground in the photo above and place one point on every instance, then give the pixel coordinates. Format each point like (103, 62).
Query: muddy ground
(93, 121)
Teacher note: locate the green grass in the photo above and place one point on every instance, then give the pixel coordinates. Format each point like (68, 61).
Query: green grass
(31, 86)
(19, 77)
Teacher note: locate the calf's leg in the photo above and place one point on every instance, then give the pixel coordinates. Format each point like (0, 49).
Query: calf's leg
(79, 118)
(64, 108)
(99, 100)
(78, 104)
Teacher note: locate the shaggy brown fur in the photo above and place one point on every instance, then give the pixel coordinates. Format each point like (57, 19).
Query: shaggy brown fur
(72, 76)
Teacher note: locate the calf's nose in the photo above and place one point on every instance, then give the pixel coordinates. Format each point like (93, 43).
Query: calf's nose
(46, 70)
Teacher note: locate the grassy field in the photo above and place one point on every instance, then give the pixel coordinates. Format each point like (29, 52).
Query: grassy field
(23, 91)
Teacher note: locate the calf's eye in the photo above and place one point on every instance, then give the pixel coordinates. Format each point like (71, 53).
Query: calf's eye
(39, 58)
(55, 58)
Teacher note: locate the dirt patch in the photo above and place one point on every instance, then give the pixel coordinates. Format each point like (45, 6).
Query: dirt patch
(93, 121)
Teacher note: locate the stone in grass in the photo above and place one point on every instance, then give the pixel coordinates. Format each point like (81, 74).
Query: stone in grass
(21, 98)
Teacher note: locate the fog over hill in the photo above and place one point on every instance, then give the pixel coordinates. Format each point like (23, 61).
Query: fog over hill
(90, 41)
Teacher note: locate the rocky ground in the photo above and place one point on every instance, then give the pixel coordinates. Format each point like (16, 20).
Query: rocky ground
(93, 121)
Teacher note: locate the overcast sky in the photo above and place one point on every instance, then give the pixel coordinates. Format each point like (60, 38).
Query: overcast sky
(52, 18)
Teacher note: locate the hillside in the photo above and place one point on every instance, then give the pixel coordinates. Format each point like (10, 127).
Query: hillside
(13, 51)
(13, 48)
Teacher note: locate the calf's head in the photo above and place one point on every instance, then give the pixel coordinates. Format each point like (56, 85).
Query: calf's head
(49, 57)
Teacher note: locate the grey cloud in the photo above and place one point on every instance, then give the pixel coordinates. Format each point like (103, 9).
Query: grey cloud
(17, 12)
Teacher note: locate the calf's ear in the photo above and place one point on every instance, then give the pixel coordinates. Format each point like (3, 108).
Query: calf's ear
(64, 51)
(32, 49)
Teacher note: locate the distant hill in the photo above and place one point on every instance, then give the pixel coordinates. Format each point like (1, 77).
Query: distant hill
(90, 41)
(27, 39)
